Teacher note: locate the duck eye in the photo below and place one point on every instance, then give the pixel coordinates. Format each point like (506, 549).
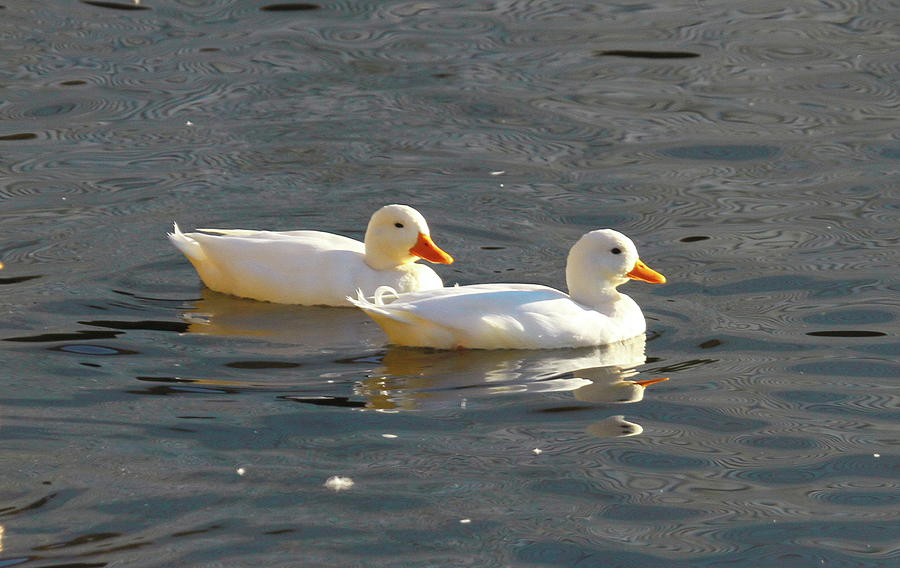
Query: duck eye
(398, 225)
(616, 250)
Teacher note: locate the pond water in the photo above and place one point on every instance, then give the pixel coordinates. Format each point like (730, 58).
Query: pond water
(750, 149)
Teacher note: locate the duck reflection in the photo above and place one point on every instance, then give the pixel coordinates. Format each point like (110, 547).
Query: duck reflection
(415, 378)
(613, 427)
(605, 386)
(310, 326)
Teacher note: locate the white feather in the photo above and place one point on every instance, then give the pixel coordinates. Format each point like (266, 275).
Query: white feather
(525, 316)
(313, 267)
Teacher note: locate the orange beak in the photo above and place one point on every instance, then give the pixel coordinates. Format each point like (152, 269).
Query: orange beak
(649, 382)
(425, 248)
(643, 272)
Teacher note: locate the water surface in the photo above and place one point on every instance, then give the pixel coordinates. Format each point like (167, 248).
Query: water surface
(749, 149)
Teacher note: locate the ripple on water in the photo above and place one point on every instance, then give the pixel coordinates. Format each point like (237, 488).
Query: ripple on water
(851, 88)
(18, 136)
(575, 488)
(18, 279)
(846, 333)
(92, 349)
(795, 533)
(813, 396)
(147, 325)
(859, 498)
(648, 513)
(775, 442)
(64, 336)
(181, 386)
(263, 364)
(646, 54)
(759, 172)
(116, 5)
(290, 7)
(859, 367)
(857, 316)
(659, 461)
(865, 466)
(51, 498)
(723, 152)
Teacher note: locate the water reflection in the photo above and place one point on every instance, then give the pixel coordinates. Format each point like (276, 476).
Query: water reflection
(323, 327)
(411, 379)
(614, 427)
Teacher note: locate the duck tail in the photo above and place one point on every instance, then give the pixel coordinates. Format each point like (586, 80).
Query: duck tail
(381, 291)
(376, 308)
(377, 300)
(403, 326)
(363, 303)
(188, 246)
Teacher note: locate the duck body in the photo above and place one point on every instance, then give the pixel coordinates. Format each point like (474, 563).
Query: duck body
(315, 267)
(503, 316)
(526, 316)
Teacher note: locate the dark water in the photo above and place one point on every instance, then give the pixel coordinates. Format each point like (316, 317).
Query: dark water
(750, 149)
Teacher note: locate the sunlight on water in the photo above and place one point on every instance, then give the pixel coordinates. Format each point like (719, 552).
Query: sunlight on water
(749, 149)
(338, 483)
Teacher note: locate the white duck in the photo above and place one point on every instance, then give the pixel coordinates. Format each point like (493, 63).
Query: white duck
(313, 267)
(526, 316)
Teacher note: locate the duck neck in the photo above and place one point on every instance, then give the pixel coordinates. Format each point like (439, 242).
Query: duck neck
(379, 260)
(600, 295)
(603, 299)
(382, 257)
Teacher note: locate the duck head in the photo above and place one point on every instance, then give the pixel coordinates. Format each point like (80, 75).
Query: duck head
(604, 259)
(398, 234)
